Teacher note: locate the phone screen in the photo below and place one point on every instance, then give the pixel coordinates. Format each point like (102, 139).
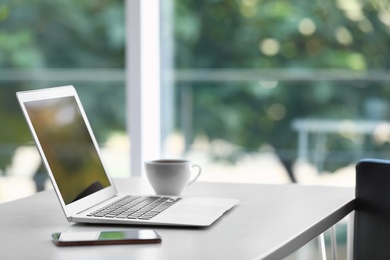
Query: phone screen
(106, 237)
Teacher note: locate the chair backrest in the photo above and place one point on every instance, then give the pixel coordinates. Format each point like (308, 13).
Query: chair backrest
(372, 215)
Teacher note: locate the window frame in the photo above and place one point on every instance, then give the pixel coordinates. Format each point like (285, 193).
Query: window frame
(143, 82)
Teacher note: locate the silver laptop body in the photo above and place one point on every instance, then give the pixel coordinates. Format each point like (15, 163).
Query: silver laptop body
(71, 155)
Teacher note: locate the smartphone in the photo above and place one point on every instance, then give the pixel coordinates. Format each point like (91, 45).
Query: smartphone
(136, 236)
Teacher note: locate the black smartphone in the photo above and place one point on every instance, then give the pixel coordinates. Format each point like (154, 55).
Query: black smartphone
(136, 236)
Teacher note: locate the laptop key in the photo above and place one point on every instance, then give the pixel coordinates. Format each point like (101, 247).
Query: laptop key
(110, 216)
(145, 218)
(121, 216)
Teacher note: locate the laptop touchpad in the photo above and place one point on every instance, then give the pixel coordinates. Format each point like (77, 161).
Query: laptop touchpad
(197, 210)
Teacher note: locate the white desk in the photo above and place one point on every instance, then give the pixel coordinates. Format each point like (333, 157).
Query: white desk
(270, 222)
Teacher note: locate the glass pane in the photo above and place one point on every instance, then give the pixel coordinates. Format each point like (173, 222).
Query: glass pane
(279, 91)
(53, 43)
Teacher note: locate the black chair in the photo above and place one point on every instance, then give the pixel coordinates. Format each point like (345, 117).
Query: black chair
(372, 215)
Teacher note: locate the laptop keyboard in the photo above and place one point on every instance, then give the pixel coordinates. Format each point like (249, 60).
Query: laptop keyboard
(135, 207)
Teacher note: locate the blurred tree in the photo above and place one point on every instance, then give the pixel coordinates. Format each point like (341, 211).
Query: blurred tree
(60, 34)
(209, 34)
(281, 34)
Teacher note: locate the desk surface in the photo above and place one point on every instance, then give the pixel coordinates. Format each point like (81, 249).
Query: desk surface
(270, 222)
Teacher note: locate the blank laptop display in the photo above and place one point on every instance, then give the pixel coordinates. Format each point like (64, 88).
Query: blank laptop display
(87, 194)
(68, 147)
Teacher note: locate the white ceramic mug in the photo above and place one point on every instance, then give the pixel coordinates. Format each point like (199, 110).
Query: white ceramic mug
(171, 177)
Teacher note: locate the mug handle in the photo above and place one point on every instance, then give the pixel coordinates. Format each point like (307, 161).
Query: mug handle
(197, 175)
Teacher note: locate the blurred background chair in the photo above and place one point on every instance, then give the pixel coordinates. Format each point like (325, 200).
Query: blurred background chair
(372, 215)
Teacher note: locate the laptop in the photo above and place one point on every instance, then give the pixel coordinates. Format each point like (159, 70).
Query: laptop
(86, 192)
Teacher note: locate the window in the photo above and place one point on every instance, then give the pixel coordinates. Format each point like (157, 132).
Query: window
(53, 43)
(277, 91)
(255, 91)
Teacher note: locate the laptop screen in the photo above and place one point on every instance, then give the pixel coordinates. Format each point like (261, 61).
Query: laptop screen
(68, 147)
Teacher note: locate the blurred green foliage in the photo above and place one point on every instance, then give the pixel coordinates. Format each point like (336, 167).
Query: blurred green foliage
(297, 36)
(61, 34)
